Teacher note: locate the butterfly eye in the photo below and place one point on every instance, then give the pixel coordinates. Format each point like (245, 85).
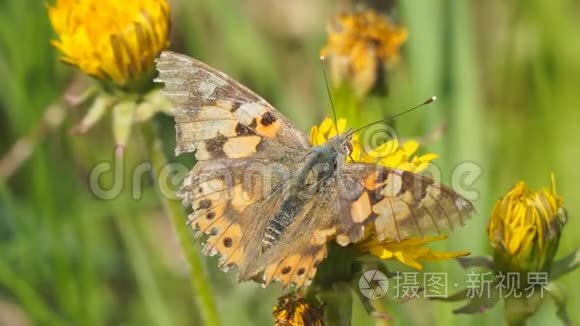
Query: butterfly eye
(348, 147)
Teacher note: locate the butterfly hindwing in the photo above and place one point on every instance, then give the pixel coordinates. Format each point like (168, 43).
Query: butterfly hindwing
(231, 201)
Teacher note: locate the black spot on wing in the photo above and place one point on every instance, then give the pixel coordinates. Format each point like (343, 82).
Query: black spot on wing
(204, 204)
(415, 184)
(268, 119)
(215, 146)
(376, 195)
(242, 130)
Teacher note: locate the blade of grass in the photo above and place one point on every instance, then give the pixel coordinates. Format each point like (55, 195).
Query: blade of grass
(125, 220)
(28, 297)
(199, 282)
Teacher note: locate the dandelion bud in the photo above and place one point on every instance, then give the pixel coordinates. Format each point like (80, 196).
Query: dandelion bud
(525, 227)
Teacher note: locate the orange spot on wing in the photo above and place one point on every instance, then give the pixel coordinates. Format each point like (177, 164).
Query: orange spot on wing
(371, 181)
(267, 125)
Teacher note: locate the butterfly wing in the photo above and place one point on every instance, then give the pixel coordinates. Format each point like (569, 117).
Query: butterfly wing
(232, 202)
(217, 117)
(395, 203)
(246, 152)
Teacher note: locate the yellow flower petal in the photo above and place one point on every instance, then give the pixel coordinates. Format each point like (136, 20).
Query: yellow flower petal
(408, 251)
(410, 147)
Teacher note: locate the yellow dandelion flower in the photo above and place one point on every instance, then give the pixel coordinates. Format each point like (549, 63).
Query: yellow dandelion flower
(525, 227)
(294, 310)
(391, 154)
(115, 41)
(359, 45)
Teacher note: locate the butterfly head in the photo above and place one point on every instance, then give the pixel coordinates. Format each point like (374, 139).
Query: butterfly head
(341, 145)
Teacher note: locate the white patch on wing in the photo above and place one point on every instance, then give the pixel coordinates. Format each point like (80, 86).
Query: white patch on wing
(249, 111)
(201, 130)
(208, 86)
(385, 226)
(213, 113)
(201, 152)
(462, 204)
(393, 185)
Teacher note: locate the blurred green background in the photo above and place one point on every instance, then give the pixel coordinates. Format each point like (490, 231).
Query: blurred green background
(507, 74)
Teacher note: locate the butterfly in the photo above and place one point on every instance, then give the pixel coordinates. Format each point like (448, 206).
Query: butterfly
(268, 202)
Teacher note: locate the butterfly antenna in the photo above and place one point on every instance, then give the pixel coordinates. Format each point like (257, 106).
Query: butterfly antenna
(428, 101)
(322, 62)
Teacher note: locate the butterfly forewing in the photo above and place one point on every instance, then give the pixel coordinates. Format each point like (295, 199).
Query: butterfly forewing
(216, 117)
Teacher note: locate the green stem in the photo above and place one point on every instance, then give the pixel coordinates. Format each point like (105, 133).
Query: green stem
(199, 281)
(380, 309)
(141, 264)
(337, 301)
(518, 310)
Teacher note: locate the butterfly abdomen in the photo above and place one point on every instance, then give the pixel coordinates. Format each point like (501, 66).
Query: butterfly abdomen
(289, 209)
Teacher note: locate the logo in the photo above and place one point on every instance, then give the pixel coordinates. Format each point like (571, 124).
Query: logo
(373, 284)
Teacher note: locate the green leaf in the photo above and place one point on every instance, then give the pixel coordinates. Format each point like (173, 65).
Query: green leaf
(565, 265)
(479, 304)
(480, 261)
(95, 113)
(557, 294)
(153, 102)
